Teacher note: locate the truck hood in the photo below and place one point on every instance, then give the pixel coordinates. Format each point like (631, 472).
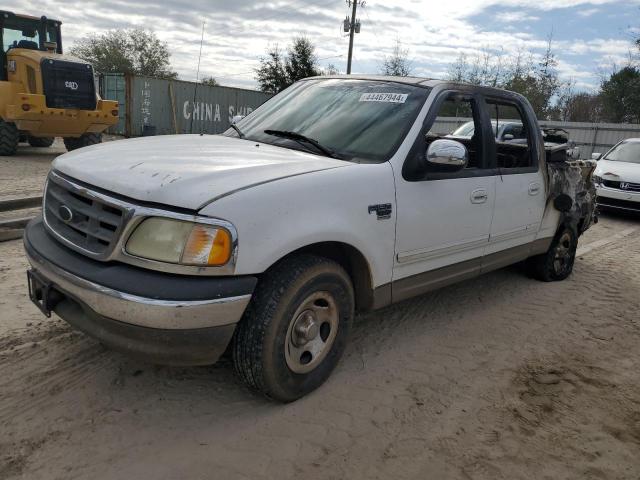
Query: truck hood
(619, 171)
(187, 171)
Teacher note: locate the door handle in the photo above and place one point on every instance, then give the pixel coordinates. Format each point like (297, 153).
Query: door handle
(479, 196)
(534, 188)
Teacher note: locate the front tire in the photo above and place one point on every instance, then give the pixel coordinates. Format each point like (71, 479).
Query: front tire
(557, 263)
(83, 141)
(295, 329)
(9, 138)
(41, 142)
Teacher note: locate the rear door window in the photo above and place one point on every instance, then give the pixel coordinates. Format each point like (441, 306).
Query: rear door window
(512, 136)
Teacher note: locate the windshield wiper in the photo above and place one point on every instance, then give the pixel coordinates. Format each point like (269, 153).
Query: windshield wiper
(298, 137)
(237, 129)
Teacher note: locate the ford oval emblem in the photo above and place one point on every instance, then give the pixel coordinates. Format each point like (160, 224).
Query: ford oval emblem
(65, 213)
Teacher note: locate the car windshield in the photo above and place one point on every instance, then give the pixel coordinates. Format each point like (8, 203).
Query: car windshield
(466, 130)
(628, 152)
(359, 120)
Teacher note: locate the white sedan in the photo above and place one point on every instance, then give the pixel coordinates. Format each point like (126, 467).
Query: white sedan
(617, 177)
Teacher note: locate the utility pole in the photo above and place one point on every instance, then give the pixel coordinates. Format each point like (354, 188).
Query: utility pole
(353, 28)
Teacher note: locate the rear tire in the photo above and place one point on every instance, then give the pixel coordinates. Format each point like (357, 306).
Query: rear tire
(85, 140)
(295, 329)
(9, 137)
(557, 263)
(41, 142)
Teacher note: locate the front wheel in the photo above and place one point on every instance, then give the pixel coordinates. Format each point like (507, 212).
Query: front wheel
(295, 328)
(9, 137)
(83, 141)
(557, 263)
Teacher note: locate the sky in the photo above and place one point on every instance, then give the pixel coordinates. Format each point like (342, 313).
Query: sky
(590, 37)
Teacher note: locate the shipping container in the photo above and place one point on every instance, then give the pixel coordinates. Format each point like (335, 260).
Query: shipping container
(153, 106)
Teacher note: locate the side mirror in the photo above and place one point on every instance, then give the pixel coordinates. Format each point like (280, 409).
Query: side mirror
(236, 119)
(508, 137)
(596, 156)
(447, 156)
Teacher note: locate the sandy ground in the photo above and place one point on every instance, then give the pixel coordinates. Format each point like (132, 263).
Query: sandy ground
(24, 174)
(501, 377)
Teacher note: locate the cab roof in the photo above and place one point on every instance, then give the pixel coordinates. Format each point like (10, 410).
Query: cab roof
(7, 14)
(419, 82)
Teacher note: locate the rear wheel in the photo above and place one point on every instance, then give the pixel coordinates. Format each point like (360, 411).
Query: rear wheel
(9, 137)
(557, 263)
(83, 141)
(41, 142)
(295, 328)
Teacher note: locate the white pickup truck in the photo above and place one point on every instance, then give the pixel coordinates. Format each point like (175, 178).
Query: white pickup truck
(340, 194)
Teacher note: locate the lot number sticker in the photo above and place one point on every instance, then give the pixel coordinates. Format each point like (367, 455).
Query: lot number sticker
(384, 97)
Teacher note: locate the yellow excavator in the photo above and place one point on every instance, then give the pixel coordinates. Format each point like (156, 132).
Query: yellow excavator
(44, 93)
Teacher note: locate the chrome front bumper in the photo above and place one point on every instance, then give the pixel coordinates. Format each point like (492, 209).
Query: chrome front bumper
(140, 311)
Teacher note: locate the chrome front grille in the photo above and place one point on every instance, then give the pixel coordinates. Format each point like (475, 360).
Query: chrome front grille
(625, 186)
(82, 219)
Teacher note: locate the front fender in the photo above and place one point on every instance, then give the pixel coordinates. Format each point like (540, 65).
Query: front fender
(280, 217)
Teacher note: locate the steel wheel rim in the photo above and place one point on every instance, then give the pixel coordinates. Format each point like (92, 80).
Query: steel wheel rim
(311, 332)
(562, 257)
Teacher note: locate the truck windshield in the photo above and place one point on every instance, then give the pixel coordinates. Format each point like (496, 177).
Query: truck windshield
(628, 152)
(359, 120)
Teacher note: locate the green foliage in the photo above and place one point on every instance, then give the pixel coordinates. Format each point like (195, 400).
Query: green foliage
(135, 51)
(620, 95)
(277, 71)
(301, 61)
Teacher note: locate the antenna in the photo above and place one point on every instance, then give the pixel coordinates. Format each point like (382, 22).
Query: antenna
(195, 90)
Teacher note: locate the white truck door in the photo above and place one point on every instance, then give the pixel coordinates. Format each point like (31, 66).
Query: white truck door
(444, 218)
(520, 186)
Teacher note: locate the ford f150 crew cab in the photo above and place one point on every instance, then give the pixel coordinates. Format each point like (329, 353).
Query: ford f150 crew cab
(337, 195)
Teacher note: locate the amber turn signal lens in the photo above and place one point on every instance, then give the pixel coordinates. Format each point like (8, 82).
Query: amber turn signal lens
(207, 245)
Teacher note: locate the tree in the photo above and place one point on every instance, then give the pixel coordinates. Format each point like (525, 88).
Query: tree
(621, 95)
(301, 61)
(135, 51)
(538, 81)
(277, 71)
(583, 107)
(210, 81)
(271, 75)
(397, 64)
(485, 68)
(331, 70)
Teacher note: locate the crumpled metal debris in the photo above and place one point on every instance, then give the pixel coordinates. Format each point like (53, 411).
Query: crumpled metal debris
(573, 192)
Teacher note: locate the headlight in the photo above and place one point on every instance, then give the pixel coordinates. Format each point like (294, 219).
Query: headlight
(597, 180)
(179, 241)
